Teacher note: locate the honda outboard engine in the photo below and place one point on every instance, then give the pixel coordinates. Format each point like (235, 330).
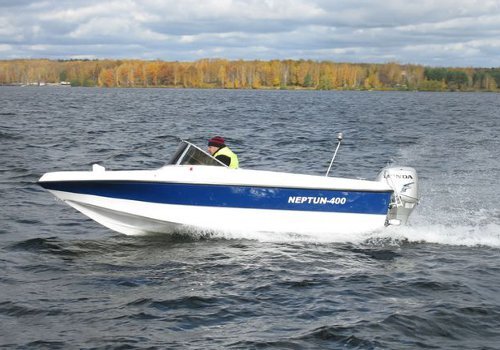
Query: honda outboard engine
(404, 182)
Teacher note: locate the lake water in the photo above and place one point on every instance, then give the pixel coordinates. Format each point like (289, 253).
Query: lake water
(67, 282)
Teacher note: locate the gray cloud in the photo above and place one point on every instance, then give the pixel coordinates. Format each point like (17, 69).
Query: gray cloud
(448, 33)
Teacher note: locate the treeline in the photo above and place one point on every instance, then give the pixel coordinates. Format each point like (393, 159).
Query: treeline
(240, 74)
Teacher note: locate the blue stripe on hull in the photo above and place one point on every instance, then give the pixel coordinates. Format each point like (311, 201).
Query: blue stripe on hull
(276, 198)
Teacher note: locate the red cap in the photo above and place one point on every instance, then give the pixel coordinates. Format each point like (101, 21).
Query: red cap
(216, 141)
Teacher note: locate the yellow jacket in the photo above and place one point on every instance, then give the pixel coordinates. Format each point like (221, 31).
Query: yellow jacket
(226, 156)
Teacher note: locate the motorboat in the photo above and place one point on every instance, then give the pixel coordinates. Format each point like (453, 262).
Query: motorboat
(194, 191)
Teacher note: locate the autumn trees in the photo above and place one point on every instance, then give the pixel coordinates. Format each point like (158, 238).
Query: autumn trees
(241, 74)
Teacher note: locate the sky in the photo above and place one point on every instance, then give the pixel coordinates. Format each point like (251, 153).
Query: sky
(450, 33)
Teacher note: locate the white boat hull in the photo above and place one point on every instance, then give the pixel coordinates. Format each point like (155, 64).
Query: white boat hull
(138, 218)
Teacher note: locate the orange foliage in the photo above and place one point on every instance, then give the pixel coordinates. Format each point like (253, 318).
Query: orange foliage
(220, 73)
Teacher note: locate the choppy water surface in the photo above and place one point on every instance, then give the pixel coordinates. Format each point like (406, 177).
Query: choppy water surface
(67, 282)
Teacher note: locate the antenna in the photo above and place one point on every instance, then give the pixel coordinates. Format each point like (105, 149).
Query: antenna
(340, 137)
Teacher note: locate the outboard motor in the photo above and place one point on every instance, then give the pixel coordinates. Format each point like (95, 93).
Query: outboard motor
(404, 182)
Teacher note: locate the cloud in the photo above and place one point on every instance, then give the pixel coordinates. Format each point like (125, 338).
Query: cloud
(451, 33)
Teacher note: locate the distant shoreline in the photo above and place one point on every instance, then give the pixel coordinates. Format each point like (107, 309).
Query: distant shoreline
(240, 74)
(244, 89)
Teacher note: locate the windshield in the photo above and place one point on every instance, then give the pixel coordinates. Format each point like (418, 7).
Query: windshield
(189, 154)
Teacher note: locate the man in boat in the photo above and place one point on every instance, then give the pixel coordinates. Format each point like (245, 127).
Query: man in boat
(218, 149)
